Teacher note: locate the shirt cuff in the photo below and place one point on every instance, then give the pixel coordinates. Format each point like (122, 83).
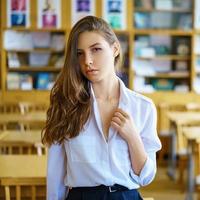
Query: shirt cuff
(146, 175)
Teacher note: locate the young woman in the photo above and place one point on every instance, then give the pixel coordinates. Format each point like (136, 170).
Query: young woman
(101, 135)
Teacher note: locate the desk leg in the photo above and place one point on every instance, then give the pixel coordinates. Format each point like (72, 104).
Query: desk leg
(172, 157)
(190, 176)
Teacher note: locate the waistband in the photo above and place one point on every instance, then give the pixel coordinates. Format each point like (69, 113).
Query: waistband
(113, 188)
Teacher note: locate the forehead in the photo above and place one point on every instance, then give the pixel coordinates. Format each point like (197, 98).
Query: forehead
(88, 38)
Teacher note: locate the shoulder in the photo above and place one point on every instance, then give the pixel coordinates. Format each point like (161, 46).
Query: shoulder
(139, 98)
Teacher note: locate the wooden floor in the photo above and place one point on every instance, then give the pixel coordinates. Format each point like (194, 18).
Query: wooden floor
(162, 188)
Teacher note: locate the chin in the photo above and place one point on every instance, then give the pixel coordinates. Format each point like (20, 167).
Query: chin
(94, 80)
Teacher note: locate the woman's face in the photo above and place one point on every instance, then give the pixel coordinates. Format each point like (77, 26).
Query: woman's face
(96, 56)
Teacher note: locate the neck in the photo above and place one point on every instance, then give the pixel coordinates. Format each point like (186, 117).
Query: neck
(107, 90)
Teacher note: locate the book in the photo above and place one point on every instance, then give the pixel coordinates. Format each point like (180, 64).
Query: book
(17, 40)
(41, 39)
(38, 59)
(142, 20)
(163, 4)
(45, 81)
(13, 60)
(26, 82)
(18, 13)
(58, 42)
(13, 81)
(82, 8)
(49, 15)
(114, 12)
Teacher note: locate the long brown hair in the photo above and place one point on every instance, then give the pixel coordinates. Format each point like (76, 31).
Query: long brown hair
(70, 102)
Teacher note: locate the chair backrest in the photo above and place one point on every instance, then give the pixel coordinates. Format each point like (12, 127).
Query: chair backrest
(8, 148)
(149, 198)
(29, 183)
(26, 107)
(192, 106)
(9, 108)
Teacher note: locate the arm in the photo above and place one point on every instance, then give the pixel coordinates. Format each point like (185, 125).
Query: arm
(142, 146)
(56, 172)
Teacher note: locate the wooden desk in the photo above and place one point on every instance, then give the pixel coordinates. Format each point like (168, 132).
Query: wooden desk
(182, 118)
(20, 139)
(17, 170)
(23, 120)
(178, 120)
(19, 118)
(192, 134)
(22, 166)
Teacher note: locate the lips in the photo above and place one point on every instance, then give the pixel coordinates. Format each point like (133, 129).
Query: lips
(92, 71)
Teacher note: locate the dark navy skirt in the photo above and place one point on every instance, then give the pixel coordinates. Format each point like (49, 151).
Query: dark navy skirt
(116, 192)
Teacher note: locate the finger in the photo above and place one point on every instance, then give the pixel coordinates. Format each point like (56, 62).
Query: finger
(115, 125)
(125, 114)
(119, 115)
(117, 120)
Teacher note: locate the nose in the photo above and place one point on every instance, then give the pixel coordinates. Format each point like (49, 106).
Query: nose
(88, 60)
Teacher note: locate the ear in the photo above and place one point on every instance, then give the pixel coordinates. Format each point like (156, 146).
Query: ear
(116, 49)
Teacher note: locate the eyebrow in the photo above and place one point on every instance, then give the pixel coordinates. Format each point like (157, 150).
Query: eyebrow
(97, 43)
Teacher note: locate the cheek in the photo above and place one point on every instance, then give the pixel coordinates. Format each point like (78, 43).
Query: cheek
(106, 58)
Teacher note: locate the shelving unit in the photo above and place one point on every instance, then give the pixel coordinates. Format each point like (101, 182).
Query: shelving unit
(129, 39)
(0, 53)
(26, 64)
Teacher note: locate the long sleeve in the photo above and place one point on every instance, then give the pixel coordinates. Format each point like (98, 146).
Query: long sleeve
(152, 145)
(56, 172)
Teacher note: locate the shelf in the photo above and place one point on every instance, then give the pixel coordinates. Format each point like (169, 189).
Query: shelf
(124, 32)
(198, 71)
(34, 69)
(35, 29)
(164, 57)
(177, 32)
(178, 75)
(174, 10)
(46, 50)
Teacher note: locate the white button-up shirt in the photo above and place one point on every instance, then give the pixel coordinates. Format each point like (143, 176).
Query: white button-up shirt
(90, 160)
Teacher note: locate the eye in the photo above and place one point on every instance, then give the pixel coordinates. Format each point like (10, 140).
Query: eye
(96, 49)
(79, 53)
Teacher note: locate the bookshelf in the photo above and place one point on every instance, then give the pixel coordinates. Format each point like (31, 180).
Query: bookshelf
(33, 51)
(170, 44)
(0, 52)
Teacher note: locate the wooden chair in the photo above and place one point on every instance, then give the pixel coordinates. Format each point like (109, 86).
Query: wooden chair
(9, 108)
(26, 107)
(183, 157)
(165, 132)
(22, 176)
(17, 142)
(17, 184)
(192, 106)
